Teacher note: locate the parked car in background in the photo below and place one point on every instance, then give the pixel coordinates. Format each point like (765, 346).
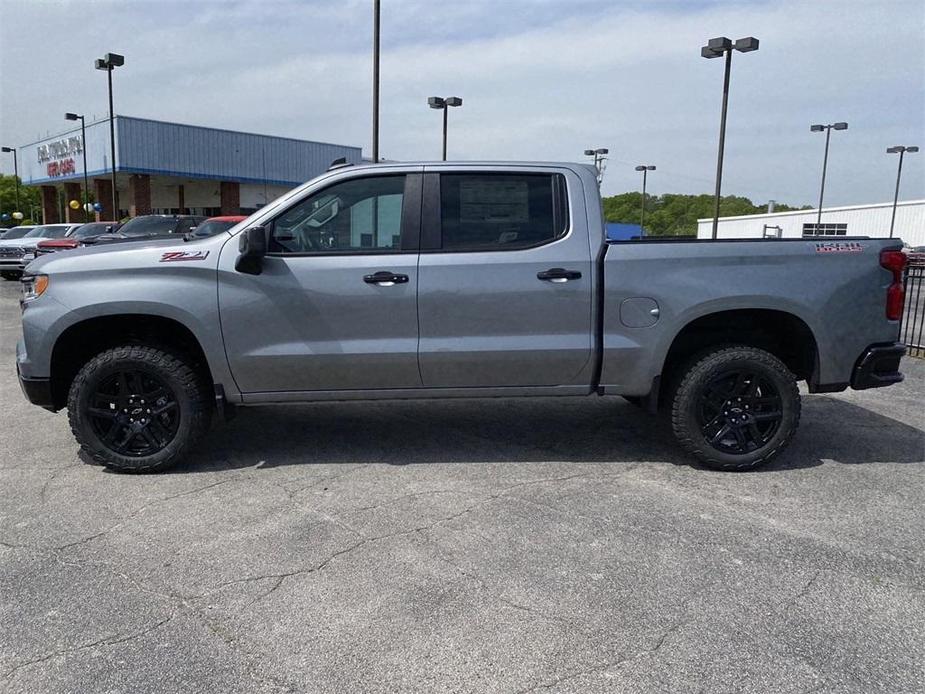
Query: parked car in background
(89, 232)
(15, 232)
(82, 235)
(151, 226)
(17, 253)
(216, 225)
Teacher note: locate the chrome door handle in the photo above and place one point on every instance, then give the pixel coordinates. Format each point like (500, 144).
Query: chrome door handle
(558, 275)
(385, 278)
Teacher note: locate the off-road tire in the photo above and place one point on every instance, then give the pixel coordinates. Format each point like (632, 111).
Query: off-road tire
(189, 388)
(701, 371)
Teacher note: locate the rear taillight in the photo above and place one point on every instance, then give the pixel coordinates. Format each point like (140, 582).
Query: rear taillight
(895, 262)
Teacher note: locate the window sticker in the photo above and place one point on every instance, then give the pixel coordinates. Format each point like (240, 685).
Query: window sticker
(496, 202)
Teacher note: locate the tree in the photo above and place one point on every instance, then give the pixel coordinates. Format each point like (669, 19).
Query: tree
(673, 214)
(29, 198)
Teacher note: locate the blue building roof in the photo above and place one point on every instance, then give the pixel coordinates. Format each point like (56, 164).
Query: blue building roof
(175, 149)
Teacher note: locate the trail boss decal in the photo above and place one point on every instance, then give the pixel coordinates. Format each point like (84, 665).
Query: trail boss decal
(183, 256)
(839, 247)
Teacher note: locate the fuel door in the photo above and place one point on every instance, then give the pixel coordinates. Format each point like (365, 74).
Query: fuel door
(639, 312)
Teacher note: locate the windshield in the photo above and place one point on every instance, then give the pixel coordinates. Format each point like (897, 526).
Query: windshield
(211, 227)
(16, 233)
(48, 231)
(149, 226)
(92, 229)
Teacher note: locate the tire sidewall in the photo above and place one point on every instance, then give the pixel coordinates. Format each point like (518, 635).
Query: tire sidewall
(109, 363)
(688, 427)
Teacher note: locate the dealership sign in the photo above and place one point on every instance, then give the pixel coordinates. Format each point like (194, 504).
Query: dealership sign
(58, 156)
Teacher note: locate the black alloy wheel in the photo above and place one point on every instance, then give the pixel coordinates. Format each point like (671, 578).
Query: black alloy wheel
(735, 407)
(739, 411)
(134, 413)
(138, 408)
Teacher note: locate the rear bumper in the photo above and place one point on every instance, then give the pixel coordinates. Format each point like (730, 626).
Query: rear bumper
(878, 366)
(37, 390)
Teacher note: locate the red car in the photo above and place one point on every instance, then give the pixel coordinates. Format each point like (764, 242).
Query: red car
(78, 237)
(215, 225)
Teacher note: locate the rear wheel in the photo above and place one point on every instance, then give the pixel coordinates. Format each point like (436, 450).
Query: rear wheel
(736, 408)
(138, 409)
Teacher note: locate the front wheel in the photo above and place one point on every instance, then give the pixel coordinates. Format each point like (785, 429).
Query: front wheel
(736, 408)
(138, 409)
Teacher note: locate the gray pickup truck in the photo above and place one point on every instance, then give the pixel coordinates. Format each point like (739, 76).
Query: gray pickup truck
(446, 280)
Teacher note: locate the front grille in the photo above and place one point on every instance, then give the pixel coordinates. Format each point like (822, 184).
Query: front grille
(11, 252)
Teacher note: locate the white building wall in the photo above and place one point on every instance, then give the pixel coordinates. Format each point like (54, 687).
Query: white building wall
(862, 220)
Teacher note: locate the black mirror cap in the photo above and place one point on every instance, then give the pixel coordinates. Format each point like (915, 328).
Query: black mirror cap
(252, 245)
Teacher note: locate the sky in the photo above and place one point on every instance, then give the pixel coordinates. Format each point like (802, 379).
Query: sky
(540, 80)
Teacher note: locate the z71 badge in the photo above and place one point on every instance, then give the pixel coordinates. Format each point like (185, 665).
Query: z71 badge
(183, 256)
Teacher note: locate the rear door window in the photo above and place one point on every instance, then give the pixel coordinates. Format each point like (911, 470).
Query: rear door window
(491, 212)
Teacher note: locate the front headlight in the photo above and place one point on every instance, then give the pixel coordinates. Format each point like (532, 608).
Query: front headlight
(33, 286)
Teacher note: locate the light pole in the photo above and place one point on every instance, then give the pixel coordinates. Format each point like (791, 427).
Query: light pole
(825, 159)
(15, 172)
(444, 103)
(109, 62)
(901, 150)
(645, 168)
(375, 81)
(83, 149)
(599, 156)
(717, 48)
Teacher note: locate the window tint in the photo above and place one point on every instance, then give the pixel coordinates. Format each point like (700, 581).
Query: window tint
(501, 211)
(149, 226)
(362, 215)
(48, 231)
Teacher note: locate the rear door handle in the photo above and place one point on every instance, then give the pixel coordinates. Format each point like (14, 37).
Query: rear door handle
(558, 275)
(385, 278)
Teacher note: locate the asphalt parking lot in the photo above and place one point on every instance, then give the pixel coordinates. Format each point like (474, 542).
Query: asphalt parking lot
(481, 546)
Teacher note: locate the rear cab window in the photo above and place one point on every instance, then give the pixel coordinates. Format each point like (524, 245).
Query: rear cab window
(500, 211)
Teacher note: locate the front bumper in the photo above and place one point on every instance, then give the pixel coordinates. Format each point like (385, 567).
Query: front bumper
(878, 366)
(36, 390)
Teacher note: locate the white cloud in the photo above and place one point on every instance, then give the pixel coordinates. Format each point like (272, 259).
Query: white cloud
(540, 80)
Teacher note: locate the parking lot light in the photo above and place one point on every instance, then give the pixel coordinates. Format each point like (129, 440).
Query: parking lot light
(599, 156)
(717, 48)
(438, 102)
(645, 168)
(109, 62)
(901, 151)
(83, 148)
(818, 128)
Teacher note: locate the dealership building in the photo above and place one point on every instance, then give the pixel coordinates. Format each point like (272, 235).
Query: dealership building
(856, 220)
(170, 168)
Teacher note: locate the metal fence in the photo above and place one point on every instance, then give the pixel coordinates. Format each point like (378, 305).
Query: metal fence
(912, 329)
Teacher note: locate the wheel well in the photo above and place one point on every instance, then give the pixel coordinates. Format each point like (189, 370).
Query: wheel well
(778, 332)
(82, 341)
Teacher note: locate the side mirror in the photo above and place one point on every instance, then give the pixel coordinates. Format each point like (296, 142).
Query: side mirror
(108, 228)
(252, 246)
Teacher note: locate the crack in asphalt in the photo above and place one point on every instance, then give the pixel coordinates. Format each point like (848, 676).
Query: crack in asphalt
(617, 662)
(58, 471)
(365, 540)
(111, 640)
(137, 512)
